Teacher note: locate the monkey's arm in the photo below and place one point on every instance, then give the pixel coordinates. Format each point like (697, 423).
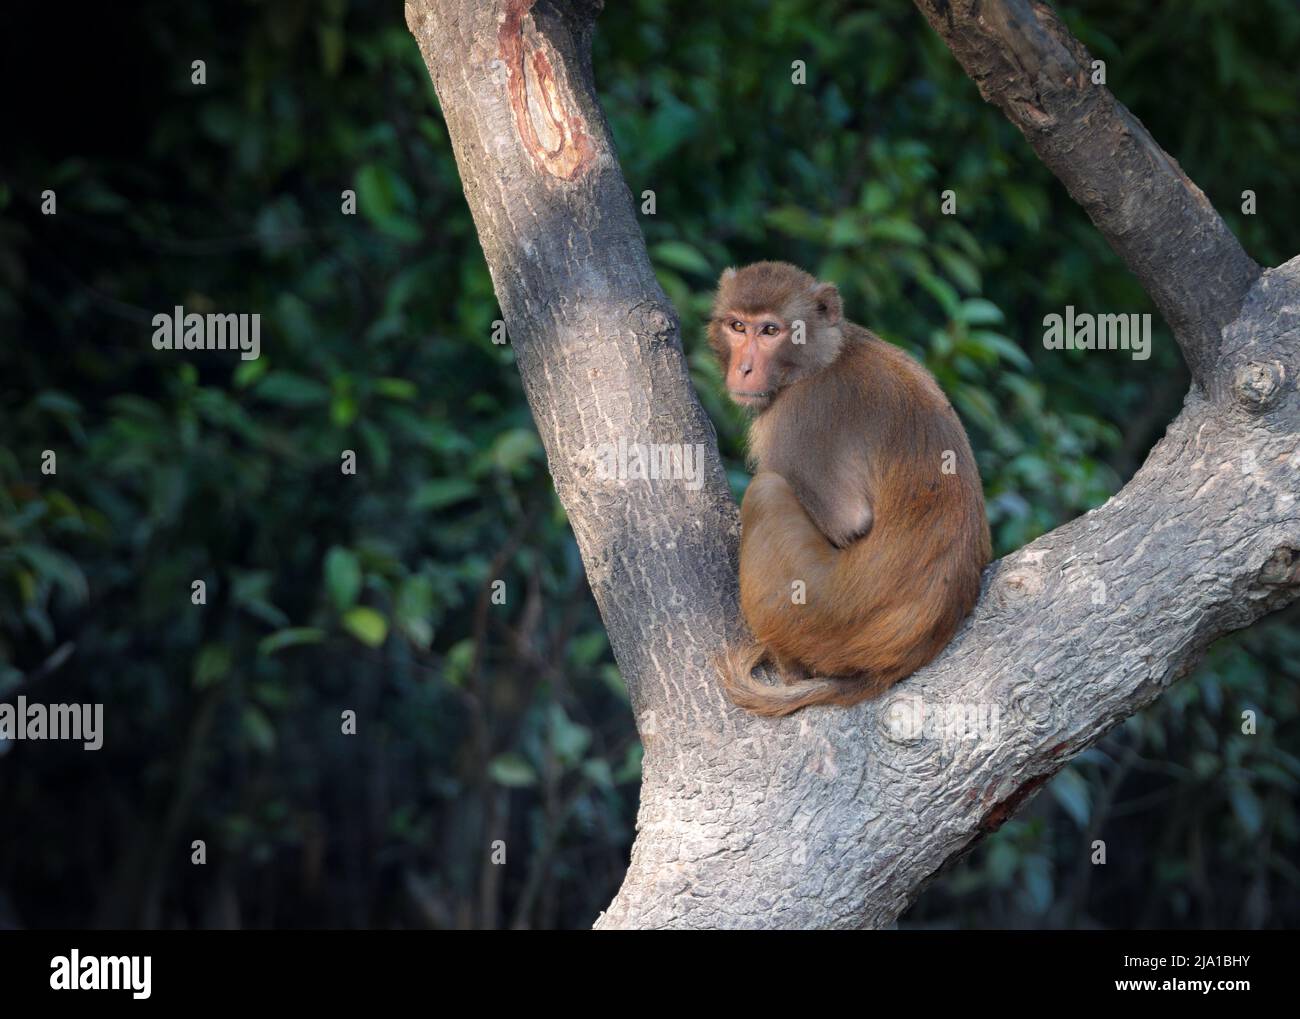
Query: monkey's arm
(840, 512)
(833, 487)
(827, 469)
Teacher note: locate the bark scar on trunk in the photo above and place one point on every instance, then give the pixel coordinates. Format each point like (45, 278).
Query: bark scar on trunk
(553, 132)
(1000, 812)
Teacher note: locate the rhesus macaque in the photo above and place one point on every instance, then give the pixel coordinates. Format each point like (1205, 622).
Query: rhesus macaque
(863, 533)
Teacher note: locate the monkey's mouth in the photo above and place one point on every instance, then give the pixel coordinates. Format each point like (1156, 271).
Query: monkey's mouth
(742, 396)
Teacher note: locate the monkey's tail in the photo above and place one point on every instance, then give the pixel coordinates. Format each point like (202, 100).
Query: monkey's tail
(736, 668)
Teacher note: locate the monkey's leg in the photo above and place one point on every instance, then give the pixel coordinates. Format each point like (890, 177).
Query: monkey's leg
(785, 567)
(790, 671)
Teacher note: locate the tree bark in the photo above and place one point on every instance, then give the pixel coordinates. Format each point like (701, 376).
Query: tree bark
(833, 817)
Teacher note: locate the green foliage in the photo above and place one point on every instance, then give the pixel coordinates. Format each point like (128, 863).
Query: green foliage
(479, 720)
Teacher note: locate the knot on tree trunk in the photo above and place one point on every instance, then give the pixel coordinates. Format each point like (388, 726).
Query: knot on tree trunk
(1258, 385)
(655, 322)
(1282, 568)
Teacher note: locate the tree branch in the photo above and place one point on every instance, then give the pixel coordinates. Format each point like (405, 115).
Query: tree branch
(1027, 63)
(833, 817)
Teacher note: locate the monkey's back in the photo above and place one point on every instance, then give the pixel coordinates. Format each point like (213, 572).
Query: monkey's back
(902, 591)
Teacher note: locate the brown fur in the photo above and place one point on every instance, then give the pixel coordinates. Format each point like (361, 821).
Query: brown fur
(848, 497)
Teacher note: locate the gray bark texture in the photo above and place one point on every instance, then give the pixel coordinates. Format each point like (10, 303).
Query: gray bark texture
(837, 818)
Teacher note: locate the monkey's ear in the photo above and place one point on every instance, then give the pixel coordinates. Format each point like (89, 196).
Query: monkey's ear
(827, 299)
(728, 275)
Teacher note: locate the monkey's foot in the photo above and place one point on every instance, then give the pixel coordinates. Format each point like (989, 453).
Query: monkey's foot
(791, 671)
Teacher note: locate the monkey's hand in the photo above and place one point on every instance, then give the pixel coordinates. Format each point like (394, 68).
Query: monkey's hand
(843, 538)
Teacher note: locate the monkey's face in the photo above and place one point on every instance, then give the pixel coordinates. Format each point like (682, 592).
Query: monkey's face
(772, 325)
(754, 345)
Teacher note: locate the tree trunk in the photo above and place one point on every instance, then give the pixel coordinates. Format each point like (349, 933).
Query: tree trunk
(834, 817)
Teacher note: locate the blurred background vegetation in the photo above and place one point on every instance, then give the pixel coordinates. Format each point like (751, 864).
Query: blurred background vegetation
(479, 722)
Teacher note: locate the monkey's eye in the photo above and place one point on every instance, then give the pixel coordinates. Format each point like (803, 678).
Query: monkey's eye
(737, 326)
(771, 329)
